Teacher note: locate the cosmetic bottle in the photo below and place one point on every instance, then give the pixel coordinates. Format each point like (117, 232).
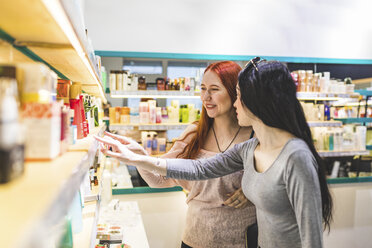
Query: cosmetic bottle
(154, 145)
(11, 143)
(148, 144)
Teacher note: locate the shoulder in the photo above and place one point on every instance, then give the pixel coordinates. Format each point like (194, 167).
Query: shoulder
(246, 146)
(300, 159)
(298, 149)
(188, 134)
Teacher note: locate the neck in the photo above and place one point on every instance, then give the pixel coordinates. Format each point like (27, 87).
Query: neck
(270, 138)
(226, 125)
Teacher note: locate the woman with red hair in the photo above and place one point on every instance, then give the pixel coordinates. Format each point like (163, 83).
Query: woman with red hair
(218, 212)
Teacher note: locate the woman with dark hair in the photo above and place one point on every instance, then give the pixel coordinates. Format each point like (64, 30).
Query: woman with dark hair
(284, 176)
(218, 212)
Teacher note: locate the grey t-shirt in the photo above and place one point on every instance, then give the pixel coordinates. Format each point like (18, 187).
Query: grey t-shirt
(287, 195)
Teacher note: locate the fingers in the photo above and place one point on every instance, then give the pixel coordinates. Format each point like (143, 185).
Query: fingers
(237, 199)
(242, 204)
(112, 154)
(236, 202)
(124, 140)
(106, 140)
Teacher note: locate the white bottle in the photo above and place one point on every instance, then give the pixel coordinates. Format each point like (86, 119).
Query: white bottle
(335, 169)
(361, 132)
(106, 189)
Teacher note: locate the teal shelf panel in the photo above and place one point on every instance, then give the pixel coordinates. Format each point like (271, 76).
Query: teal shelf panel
(23, 49)
(369, 147)
(130, 54)
(364, 92)
(353, 120)
(349, 180)
(144, 190)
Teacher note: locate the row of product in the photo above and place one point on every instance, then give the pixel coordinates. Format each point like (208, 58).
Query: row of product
(323, 112)
(316, 112)
(34, 125)
(112, 217)
(308, 81)
(346, 138)
(122, 80)
(148, 113)
(153, 144)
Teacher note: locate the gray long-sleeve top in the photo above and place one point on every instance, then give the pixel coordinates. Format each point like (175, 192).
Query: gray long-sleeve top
(287, 195)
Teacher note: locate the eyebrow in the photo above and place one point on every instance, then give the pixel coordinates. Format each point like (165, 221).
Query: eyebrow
(213, 85)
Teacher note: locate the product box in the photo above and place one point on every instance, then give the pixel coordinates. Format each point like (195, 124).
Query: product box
(109, 235)
(43, 129)
(37, 83)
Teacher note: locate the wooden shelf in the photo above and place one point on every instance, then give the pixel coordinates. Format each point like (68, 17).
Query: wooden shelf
(161, 126)
(45, 29)
(42, 195)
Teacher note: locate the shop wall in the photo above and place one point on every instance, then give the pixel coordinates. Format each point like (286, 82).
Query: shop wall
(320, 29)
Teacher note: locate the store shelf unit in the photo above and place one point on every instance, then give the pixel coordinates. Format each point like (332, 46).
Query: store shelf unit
(155, 94)
(342, 153)
(42, 30)
(162, 126)
(38, 201)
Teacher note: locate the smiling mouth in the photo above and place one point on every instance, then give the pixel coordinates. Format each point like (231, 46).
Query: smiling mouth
(209, 106)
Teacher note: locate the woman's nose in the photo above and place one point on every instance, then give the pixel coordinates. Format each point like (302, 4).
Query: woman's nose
(205, 95)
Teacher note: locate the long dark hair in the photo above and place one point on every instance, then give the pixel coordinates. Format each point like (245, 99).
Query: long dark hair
(269, 92)
(228, 72)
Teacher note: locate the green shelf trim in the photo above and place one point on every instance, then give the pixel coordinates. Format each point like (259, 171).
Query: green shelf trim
(144, 190)
(128, 54)
(364, 92)
(23, 49)
(369, 147)
(349, 180)
(353, 120)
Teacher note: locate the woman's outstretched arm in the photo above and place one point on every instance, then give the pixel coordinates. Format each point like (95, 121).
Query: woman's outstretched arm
(217, 166)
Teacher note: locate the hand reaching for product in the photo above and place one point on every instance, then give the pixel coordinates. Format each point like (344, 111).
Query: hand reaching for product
(122, 150)
(119, 151)
(237, 199)
(129, 143)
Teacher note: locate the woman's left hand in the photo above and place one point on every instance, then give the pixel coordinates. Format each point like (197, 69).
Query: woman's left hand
(237, 199)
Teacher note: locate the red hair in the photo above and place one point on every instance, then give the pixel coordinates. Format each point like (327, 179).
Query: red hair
(228, 72)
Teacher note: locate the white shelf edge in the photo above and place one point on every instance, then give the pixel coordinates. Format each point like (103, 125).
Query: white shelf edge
(324, 96)
(169, 126)
(342, 153)
(155, 94)
(324, 123)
